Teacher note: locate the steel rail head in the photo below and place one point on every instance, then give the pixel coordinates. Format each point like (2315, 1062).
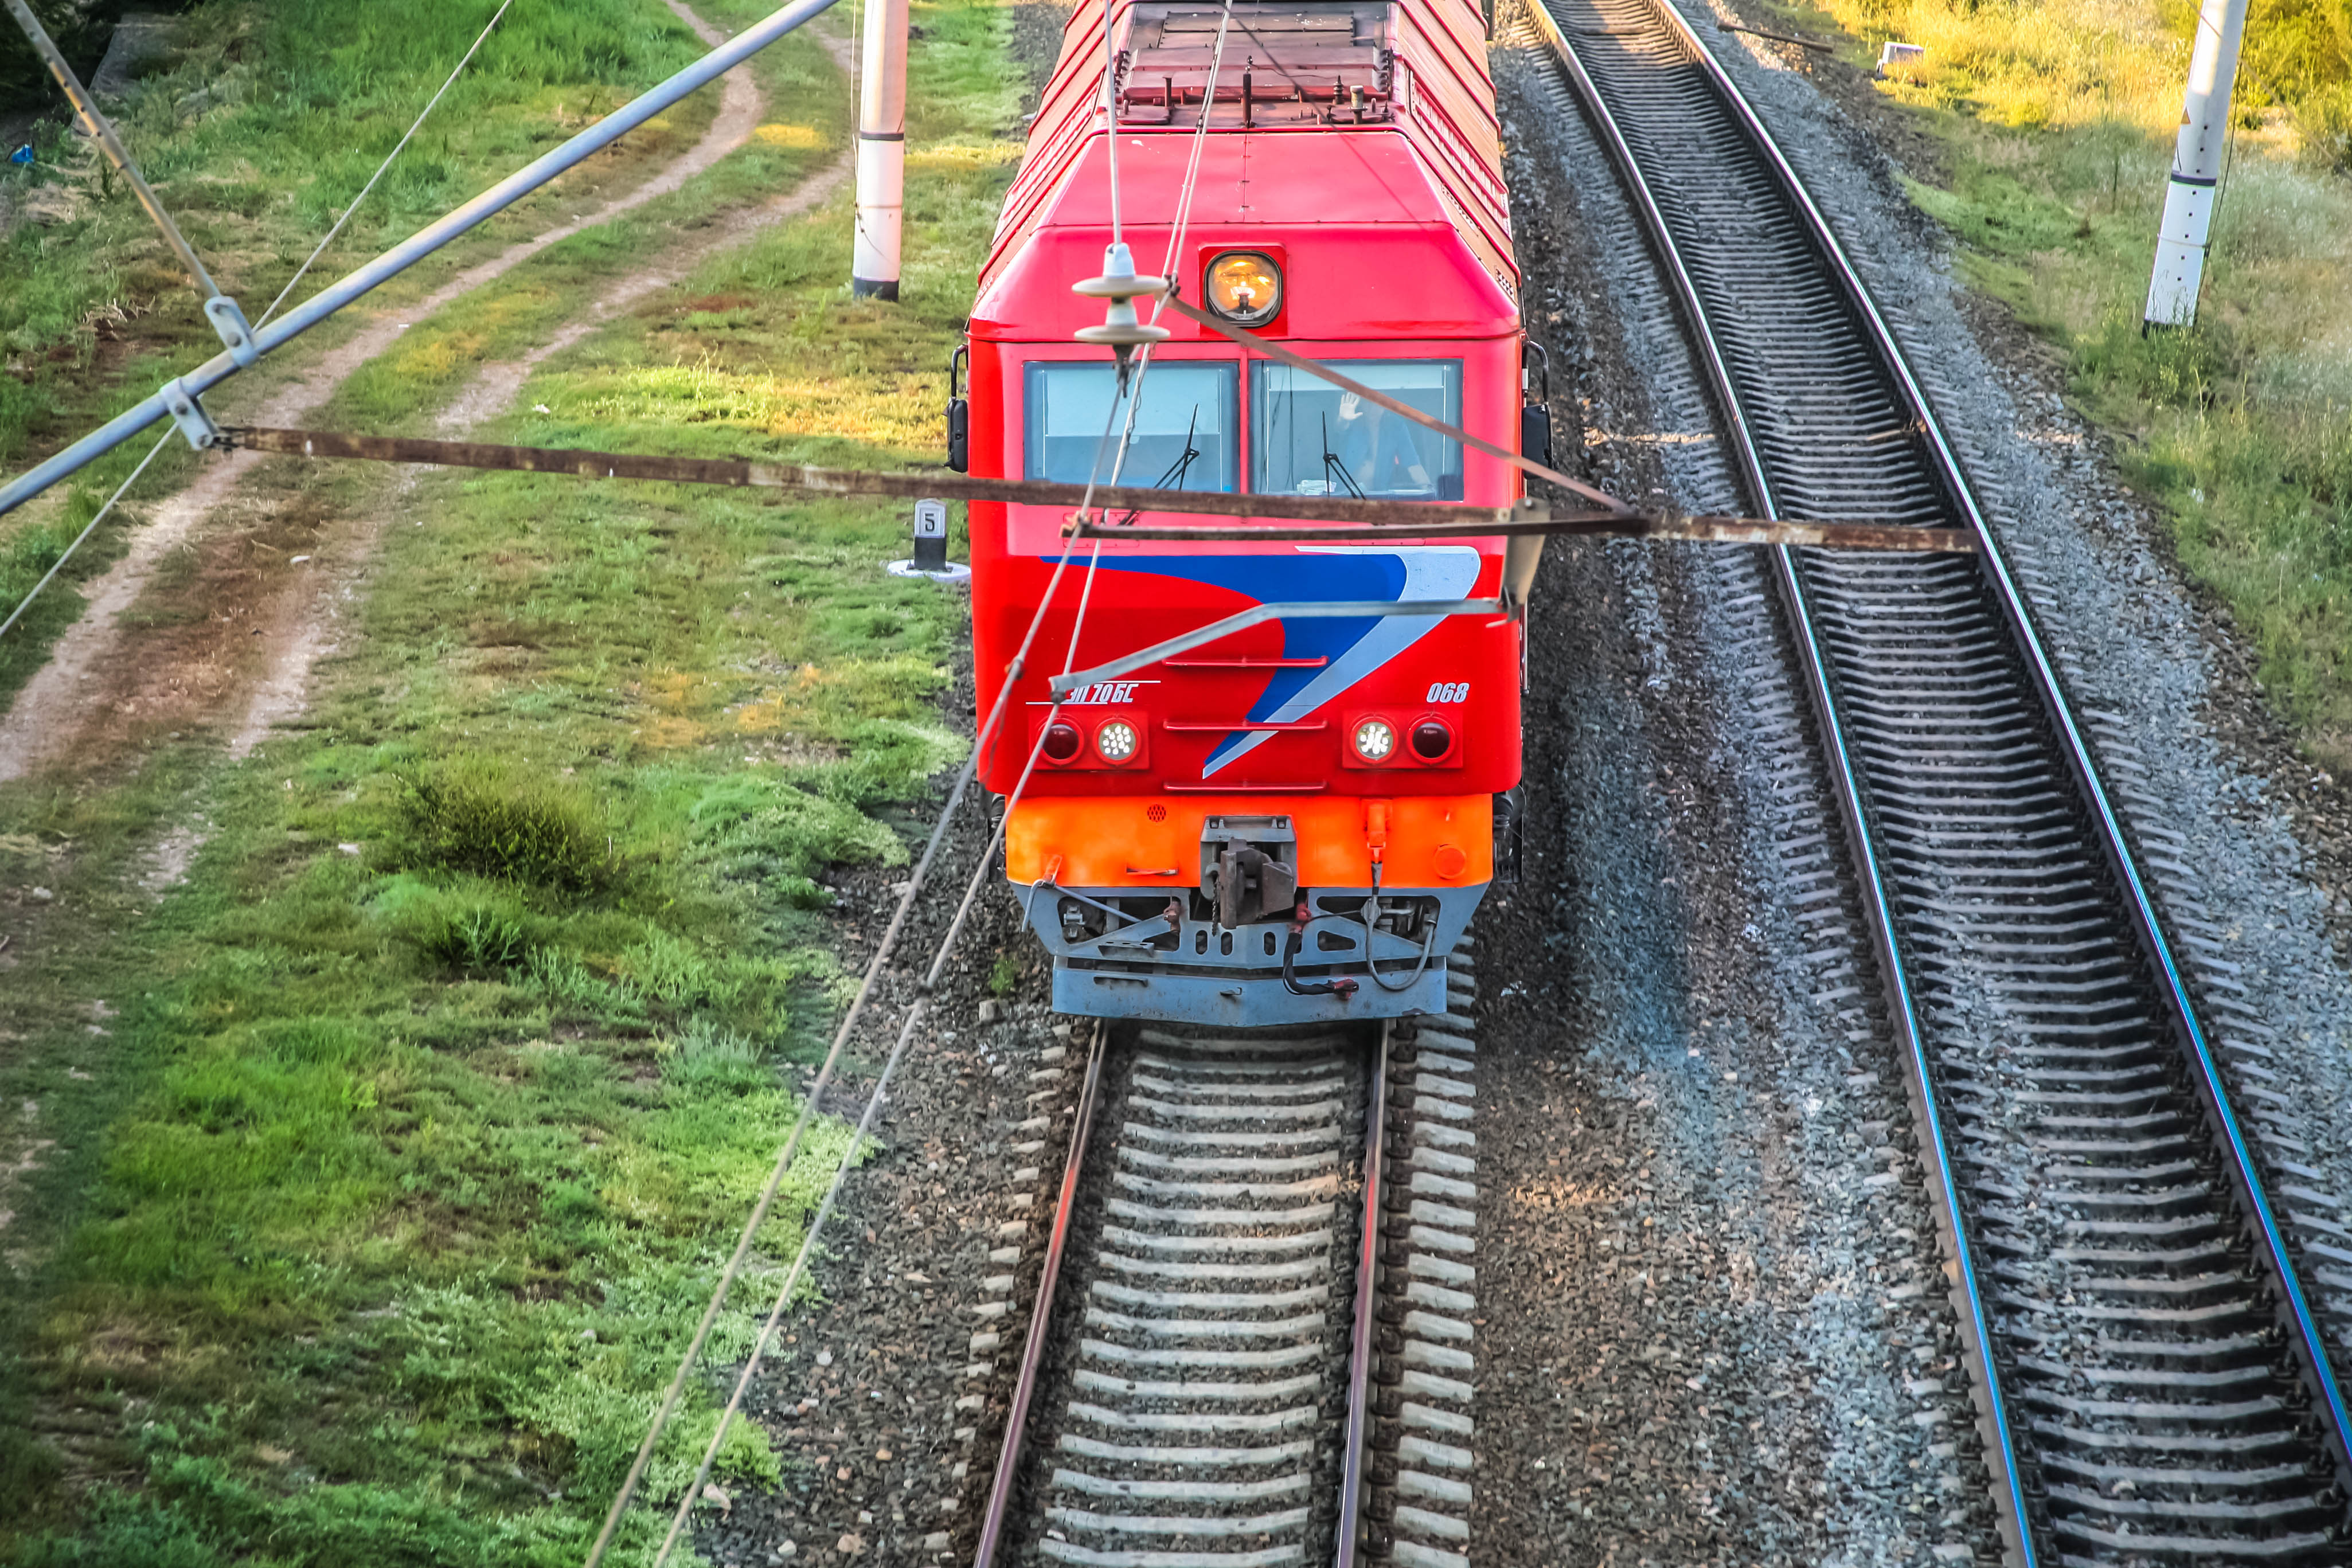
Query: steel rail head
(2307, 1341)
(365, 278)
(1041, 1313)
(1356, 1456)
(2011, 1509)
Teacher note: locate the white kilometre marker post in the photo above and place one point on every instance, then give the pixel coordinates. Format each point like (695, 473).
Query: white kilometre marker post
(2196, 166)
(881, 153)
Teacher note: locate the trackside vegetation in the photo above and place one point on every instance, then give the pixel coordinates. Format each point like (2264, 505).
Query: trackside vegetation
(2057, 118)
(393, 1095)
(258, 127)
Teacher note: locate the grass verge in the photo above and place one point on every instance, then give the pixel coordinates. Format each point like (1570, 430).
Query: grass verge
(371, 1176)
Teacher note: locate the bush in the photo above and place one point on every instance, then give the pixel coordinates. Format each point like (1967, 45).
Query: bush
(2325, 120)
(474, 928)
(536, 834)
(480, 940)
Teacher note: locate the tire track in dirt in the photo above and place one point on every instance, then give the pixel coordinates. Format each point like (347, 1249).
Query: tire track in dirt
(309, 633)
(55, 709)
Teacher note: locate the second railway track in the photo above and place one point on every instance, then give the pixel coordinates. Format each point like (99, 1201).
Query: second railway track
(2153, 1386)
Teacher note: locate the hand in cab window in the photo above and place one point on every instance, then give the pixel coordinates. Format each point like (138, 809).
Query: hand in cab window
(1309, 438)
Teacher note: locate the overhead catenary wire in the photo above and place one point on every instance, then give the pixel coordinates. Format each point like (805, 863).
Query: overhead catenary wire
(1134, 390)
(66, 554)
(982, 743)
(945, 950)
(791, 1281)
(883, 953)
(153, 452)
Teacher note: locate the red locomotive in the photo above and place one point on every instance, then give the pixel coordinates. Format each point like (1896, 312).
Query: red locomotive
(1298, 821)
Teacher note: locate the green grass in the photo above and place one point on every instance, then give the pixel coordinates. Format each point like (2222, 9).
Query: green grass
(2058, 121)
(258, 132)
(371, 1228)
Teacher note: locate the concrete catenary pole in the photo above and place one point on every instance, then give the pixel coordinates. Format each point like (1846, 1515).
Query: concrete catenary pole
(881, 152)
(2196, 166)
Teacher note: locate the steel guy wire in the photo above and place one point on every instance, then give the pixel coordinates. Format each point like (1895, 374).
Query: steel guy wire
(792, 1278)
(59, 566)
(427, 241)
(459, 69)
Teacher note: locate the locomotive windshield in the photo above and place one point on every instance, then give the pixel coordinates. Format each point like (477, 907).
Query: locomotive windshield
(1186, 432)
(1309, 438)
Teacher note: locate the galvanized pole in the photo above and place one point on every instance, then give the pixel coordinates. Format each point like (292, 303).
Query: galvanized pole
(2196, 166)
(221, 311)
(881, 153)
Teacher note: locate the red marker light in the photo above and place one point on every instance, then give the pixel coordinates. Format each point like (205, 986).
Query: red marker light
(1062, 741)
(1432, 739)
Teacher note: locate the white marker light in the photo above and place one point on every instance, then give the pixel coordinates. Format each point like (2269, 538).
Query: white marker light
(1117, 740)
(1375, 739)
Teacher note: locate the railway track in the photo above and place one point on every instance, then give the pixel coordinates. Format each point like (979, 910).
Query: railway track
(1209, 1379)
(2151, 1383)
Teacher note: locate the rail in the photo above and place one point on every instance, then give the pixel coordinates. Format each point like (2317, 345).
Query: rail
(1889, 818)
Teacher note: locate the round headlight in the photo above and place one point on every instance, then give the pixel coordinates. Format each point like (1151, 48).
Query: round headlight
(1245, 287)
(1375, 739)
(1432, 739)
(1117, 740)
(1062, 741)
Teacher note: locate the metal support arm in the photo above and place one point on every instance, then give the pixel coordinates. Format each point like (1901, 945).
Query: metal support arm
(1215, 631)
(411, 251)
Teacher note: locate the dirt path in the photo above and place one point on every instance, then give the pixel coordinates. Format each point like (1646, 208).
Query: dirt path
(96, 667)
(310, 630)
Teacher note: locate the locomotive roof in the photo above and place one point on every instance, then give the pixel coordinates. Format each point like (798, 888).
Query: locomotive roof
(1366, 72)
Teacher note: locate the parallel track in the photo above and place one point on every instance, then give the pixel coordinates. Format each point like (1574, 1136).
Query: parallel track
(1193, 1390)
(2150, 1382)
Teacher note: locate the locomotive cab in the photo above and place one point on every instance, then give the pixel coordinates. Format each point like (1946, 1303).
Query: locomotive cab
(1296, 820)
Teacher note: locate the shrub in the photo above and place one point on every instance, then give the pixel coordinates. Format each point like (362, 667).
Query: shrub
(476, 928)
(537, 834)
(480, 940)
(1005, 977)
(568, 983)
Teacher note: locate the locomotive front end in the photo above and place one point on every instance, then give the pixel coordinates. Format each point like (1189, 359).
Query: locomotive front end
(1254, 781)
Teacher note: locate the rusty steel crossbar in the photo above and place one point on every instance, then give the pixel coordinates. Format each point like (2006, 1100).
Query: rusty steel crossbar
(1536, 520)
(1347, 517)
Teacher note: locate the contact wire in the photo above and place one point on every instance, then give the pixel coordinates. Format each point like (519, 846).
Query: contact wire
(792, 1278)
(882, 953)
(1159, 304)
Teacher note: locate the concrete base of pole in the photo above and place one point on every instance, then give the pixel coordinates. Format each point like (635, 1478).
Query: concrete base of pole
(873, 288)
